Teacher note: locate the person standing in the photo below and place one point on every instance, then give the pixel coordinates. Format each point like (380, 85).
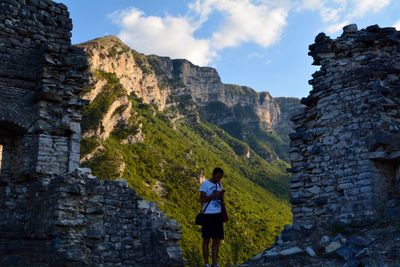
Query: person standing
(212, 199)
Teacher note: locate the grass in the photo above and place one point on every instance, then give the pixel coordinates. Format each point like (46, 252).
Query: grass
(177, 155)
(256, 190)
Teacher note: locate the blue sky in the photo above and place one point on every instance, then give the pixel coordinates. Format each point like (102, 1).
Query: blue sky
(259, 43)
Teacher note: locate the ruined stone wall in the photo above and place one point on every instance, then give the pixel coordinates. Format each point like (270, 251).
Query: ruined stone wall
(345, 155)
(78, 220)
(53, 213)
(40, 78)
(344, 152)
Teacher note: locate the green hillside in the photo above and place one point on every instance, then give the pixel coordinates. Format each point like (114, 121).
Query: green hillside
(166, 167)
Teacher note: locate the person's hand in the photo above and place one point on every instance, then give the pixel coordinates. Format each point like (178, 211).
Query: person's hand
(219, 194)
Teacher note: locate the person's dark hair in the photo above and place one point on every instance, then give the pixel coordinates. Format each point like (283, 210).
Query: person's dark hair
(218, 170)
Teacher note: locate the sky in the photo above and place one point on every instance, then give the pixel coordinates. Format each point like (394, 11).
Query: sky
(262, 44)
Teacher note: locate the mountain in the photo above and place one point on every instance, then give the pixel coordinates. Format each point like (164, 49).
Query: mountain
(164, 124)
(242, 112)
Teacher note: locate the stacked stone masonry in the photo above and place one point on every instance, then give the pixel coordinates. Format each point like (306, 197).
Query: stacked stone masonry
(76, 219)
(345, 155)
(52, 212)
(40, 80)
(345, 151)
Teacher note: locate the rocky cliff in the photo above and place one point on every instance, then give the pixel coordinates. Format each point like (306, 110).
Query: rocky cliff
(183, 90)
(109, 54)
(163, 125)
(289, 106)
(204, 87)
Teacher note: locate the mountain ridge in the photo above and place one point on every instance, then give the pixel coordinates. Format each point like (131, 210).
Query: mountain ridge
(182, 89)
(161, 124)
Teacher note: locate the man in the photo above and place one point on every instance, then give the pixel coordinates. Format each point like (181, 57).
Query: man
(212, 198)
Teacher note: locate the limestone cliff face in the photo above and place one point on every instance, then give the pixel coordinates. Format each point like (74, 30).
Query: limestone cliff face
(110, 55)
(289, 106)
(181, 90)
(203, 85)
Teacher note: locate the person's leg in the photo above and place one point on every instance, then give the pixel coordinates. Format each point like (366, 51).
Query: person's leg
(218, 235)
(215, 247)
(206, 242)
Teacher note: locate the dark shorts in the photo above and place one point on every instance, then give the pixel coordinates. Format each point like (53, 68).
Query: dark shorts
(213, 226)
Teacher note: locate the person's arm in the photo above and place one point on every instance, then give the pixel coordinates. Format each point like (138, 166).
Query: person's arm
(205, 198)
(222, 197)
(222, 194)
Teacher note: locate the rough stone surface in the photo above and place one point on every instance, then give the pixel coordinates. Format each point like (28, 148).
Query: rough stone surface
(344, 150)
(52, 212)
(40, 78)
(333, 246)
(226, 105)
(77, 219)
(291, 251)
(310, 252)
(345, 156)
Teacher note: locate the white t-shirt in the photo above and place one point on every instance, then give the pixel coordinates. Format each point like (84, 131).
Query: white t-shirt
(215, 204)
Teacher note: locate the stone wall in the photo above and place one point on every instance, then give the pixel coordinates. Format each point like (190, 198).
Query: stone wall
(345, 151)
(76, 219)
(52, 212)
(40, 79)
(345, 157)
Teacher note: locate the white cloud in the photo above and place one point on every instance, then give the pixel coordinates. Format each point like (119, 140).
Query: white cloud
(361, 8)
(337, 13)
(243, 21)
(329, 11)
(168, 36)
(397, 25)
(311, 4)
(336, 27)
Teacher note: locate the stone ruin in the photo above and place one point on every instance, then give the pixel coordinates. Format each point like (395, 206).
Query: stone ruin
(52, 212)
(345, 157)
(346, 149)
